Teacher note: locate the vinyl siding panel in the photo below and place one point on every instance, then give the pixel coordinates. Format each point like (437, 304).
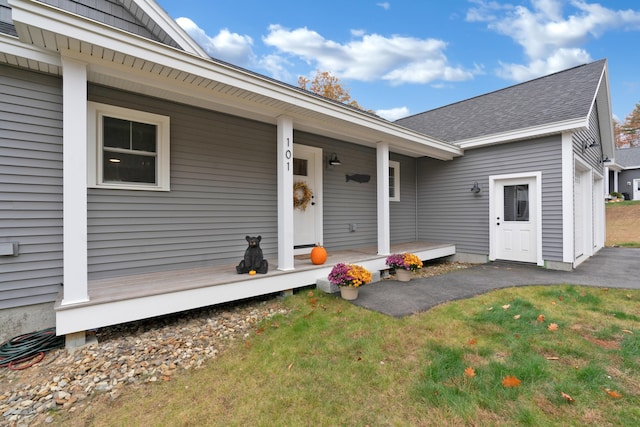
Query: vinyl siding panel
(30, 186)
(129, 17)
(223, 187)
(625, 177)
(346, 202)
(591, 155)
(450, 213)
(404, 213)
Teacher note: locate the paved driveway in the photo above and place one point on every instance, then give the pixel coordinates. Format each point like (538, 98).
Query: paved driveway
(611, 267)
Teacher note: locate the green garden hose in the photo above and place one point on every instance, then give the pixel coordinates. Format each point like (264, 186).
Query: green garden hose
(23, 351)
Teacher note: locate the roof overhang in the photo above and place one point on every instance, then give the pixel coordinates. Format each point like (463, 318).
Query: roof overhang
(525, 133)
(129, 62)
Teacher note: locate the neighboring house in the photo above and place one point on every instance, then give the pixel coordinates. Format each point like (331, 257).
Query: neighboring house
(624, 173)
(132, 166)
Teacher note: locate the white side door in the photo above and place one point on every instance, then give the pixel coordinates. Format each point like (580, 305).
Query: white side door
(515, 219)
(307, 219)
(636, 189)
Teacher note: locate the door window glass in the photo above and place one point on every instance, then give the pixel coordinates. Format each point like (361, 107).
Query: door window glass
(516, 202)
(300, 167)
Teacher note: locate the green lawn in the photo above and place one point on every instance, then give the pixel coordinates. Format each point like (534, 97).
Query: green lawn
(575, 352)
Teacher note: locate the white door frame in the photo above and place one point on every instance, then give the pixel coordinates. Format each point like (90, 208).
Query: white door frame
(635, 194)
(586, 227)
(316, 154)
(493, 212)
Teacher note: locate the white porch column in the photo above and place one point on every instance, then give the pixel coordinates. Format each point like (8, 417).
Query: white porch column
(74, 179)
(384, 232)
(606, 181)
(285, 193)
(616, 174)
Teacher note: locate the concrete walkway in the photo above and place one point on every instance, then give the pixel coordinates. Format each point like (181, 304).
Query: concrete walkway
(611, 267)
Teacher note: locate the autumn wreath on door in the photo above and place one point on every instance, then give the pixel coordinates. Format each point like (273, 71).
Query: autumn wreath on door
(302, 195)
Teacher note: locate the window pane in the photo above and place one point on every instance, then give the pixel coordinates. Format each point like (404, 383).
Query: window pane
(516, 203)
(143, 137)
(392, 182)
(300, 167)
(116, 133)
(121, 167)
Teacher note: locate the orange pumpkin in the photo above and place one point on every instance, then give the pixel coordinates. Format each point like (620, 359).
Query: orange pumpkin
(318, 255)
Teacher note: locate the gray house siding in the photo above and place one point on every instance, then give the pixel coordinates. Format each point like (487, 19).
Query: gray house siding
(30, 186)
(345, 202)
(593, 155)
(625, 182)
(450, 213)
(404, 215)
(223, 187)
(111, 12)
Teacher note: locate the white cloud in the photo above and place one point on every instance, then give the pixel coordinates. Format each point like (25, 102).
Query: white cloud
(227, 46)
(369, 57)
(385, 5)
(393, 114)
(550, 41)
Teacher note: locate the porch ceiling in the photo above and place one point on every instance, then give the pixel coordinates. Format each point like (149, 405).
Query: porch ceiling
(129, 62)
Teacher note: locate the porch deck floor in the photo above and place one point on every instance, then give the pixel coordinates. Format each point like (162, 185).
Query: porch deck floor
(104, 291)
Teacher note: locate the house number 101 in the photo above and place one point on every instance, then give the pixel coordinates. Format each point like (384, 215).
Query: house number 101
(288, 154)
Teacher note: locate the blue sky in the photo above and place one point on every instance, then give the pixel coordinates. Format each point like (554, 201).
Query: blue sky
(402, 57)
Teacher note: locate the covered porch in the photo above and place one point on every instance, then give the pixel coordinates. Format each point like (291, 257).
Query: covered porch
(129, 298)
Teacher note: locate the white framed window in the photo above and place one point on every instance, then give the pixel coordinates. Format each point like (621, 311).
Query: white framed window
(394, 181)
(127, 149)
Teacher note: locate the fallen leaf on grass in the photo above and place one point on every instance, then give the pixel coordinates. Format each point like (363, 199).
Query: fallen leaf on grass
(516, 317)
(566, 397)
(470, 372)
(613, 393)
(247, 345)
(490, 308)
(552, 358)
(290, 366)
(626, 331)
(510, 381)
(506, 306)
(472, 341)
(553, 326)
(541, 318)
(310, 293)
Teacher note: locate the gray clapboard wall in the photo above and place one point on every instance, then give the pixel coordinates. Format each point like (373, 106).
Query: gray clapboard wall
(593, 155)
(223, 187)
(345, 202)
(111, 12)
(449, 212)
(403, 213)
(30, 186)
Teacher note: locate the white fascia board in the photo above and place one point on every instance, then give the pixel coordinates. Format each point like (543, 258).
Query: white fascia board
(171, 27)
(67, 24)
(524, 133)
(13, 46)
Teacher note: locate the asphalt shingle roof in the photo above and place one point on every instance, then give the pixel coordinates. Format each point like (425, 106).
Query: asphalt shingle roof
(561, 96)
(628, 157)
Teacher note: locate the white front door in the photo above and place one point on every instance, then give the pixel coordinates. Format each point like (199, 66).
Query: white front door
(307, 195)
(636, 189)
(515, 219)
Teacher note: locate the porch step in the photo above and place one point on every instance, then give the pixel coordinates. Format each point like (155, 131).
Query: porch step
(325, 286)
